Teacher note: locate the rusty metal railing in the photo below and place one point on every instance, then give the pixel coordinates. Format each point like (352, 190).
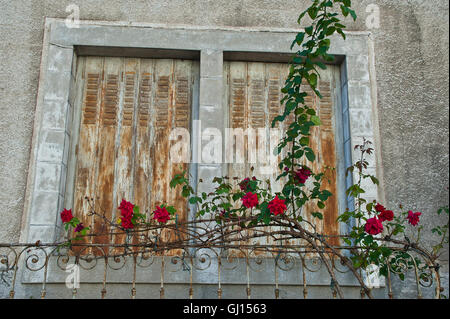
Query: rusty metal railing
(220, 254)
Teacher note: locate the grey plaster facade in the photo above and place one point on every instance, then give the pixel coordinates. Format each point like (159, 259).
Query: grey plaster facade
(397, 83)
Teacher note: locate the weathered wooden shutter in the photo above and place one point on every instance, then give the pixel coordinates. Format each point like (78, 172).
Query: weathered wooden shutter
(128, 108)
(253, 99)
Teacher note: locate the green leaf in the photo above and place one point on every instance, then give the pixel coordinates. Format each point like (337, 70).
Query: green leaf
(316, 120)
(201, 212)
(349, 170)
(310, 156)
(279, 118)
(301, 16)
(298, 39)
(356, 263)
(320, 205)
(324, 195)
(223, 189)
(312, 80)
(374, 180)
(341, 33)
(74, 222)
(304, 141)
(383, 271)
(187, 191)
(443, 209)
(368, 240)
(309, 30)
(312, 12)
(178, 179)
(317, 215)
(321, 65)
(266, 219)
(171, 210)
(344, 217)
(344, 10)
(353, 14)
(386, 251)
(195, 200)
(347, 241)
(330, 31)
(237, 196)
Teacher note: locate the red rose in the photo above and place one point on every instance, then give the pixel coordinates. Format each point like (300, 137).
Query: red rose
(379, 208)
(79, 228)
(66, 215)
(302, 175)
(244, 184)
(250, 200)
(373, 226)
(413, 218)
(126, 210)
(277, 206)
(126, 222)
(386, 215)
(161, 214)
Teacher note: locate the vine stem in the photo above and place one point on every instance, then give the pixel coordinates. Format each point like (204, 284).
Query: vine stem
(336, 253)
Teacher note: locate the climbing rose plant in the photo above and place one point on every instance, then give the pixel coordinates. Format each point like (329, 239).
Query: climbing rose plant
(68, 220)
(161, 215)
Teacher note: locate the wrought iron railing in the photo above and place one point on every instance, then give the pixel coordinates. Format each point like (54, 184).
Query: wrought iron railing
(187, 253)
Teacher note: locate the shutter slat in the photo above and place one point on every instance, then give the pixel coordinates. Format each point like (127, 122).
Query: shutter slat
(144, 137)
(181, 106)
(327, 140)
(106, 146)
(124, 178)
(84, 185)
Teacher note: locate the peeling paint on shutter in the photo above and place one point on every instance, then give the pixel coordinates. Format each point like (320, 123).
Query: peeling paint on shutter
(87, 145)
(129, 107)
(328, 152)
(106, 147)
(253, 98)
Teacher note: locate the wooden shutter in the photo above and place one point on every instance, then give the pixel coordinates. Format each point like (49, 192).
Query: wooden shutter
(253, 99)
(128, 108)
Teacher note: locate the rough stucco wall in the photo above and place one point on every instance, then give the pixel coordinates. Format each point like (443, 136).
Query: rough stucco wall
(411, 48)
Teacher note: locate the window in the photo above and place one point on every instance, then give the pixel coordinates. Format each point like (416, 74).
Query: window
(55, 178)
